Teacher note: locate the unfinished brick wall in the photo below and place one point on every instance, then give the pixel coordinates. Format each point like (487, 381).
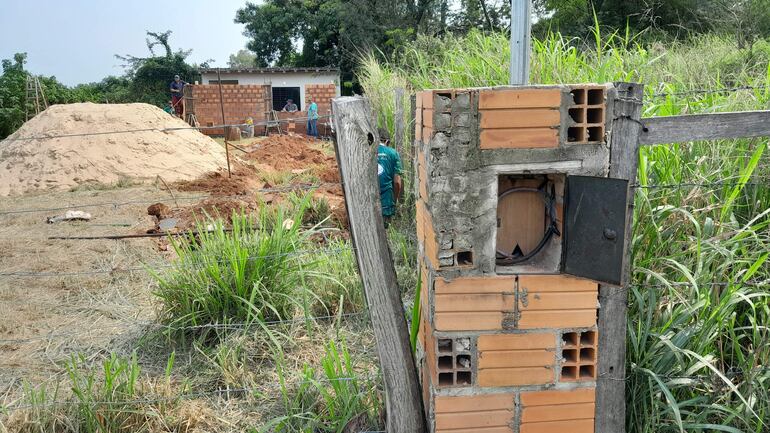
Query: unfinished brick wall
(240, 102)
(505, 347)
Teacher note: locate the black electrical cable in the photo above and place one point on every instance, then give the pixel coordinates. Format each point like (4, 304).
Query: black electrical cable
(506, 259)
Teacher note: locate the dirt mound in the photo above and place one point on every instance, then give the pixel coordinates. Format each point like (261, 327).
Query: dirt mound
(244, 180)
(291, 152)
(72, 159)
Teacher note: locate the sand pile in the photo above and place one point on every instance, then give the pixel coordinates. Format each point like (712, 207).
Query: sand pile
(65, 162)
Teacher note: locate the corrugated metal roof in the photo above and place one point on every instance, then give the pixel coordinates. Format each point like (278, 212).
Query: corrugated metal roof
(267, 70)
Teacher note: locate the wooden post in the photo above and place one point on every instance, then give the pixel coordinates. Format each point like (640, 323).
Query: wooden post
(624, 159)
(224, 122)
(356, 148)
(398, 121)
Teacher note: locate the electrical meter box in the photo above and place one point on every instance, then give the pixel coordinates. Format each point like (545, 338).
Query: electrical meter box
(518, 224)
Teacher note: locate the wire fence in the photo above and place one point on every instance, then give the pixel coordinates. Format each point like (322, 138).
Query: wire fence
(116, 205)
(188, 395)
(176, 265)
(239, 326)
(178, 128)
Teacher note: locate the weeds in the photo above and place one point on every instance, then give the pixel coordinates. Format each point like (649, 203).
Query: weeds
(252, 273)
(333, 401)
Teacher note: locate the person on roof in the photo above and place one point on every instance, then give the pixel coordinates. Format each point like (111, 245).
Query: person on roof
(177, 95)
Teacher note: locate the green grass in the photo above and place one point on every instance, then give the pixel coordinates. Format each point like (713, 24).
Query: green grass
(255, 272)
(696, 351)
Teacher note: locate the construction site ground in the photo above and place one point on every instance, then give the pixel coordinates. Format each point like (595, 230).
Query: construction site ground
(94, 297)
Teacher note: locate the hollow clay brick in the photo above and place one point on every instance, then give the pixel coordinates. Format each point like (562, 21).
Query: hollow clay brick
(574, 426)
(556, 283)
(479, 430)
(516, 358)
(474, 420)
(517, 341)
(523, 118)
(427, 118)
(515, 376)
(468, 321)
(519, 98)
(521, 138)
(496, 284)
(557, 319)
(558, 301)
(427, 99)
(474, 303)
(563, 412)
(546, 398)
(472, 403)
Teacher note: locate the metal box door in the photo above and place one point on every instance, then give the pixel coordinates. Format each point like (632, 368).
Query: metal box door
(594, 228)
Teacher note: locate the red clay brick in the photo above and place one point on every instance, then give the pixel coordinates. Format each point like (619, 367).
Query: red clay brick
(473, 420)
(522, 138)
(472, 403)
(499, 377)
(545, 398)
(468, 321)
(578, 426)
(520, 98)
(522, 118)
(470, 285)
(474, 303)
(517, 341)
(516, 358)
(557, 319)
(556, 283)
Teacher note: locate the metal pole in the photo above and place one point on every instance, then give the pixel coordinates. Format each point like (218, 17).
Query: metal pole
(224, 122)
(521, 31)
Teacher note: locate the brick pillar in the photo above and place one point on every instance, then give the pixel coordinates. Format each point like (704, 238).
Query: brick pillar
(505, 346)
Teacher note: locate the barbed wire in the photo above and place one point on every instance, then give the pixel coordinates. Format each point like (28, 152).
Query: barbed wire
(172, 129)
(242, 326)
(115, 205)
(31, 274)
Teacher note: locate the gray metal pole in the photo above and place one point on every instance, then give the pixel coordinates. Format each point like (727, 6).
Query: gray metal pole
(521, 31)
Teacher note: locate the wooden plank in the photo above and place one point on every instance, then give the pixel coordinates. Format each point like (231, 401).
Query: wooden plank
(520, 118)
(519, 138)
(356, 149)
(624, 158)
(519, 98)
(696, 127)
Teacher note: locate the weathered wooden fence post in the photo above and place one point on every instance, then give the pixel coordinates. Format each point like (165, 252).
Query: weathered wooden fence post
(624, 159)
(356, 149)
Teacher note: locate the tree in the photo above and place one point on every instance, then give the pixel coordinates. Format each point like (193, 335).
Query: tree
(13, 83)
(150, 76)
(242, 59)
(668, 17)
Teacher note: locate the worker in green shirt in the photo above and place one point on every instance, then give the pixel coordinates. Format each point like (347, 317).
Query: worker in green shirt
(389, 173)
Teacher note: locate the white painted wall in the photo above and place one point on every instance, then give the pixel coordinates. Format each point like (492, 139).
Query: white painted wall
(280, 79)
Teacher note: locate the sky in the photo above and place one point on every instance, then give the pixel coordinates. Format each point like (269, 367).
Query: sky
(76, 40)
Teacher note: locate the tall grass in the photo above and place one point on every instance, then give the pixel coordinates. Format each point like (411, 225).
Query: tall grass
(252, 272)
(336, 400)
(697, 351)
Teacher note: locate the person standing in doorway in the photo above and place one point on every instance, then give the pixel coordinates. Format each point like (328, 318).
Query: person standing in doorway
(177, 95)
(312, 119)
(290, 106)
(389, 172)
